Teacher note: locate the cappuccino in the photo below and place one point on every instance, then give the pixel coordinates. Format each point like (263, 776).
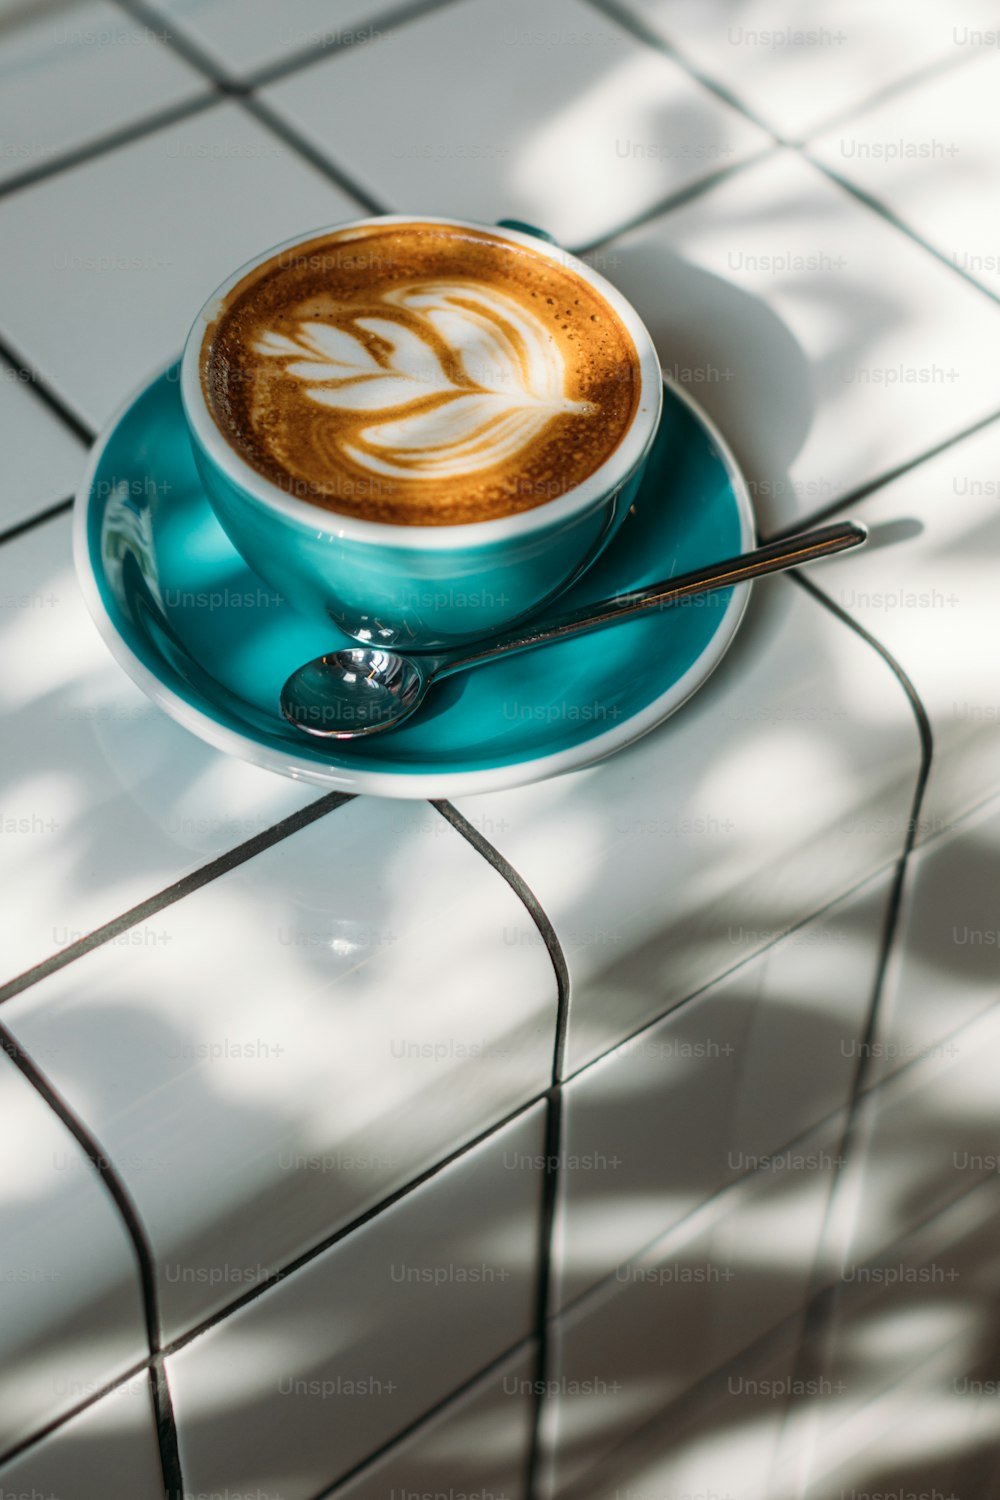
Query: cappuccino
(420, 374)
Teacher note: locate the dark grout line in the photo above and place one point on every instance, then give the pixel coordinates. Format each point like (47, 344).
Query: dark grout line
(39, 1434)
(280, 127)
(643, 33)
(241, 94)
(688, 1404)
(390, 20)
(105, 144)
(823, 1298)
(59, 509)
(894, 913)
(856, 112)
(734, 1184)
(880, 482)
(919, 712)
(718, 979)
(30, 377)
(161, 1352)
(690, 1400)
(105, 1169)
(543, 1316)
(959, 820)
(553, 1119)
(136, 1230)
(306, 1256)
(331, 1491)
(823, 1304)
(176, 892)
(538, 915)
(166, 1432)
(886, 214)
(675, 200)
(177, 42)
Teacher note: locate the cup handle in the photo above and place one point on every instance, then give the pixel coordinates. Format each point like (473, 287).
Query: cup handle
(540, 234)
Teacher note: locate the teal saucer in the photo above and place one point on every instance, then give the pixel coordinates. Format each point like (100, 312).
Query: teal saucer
(211, 644)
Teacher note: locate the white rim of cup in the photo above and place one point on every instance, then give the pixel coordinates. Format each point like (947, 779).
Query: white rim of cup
(615, 470)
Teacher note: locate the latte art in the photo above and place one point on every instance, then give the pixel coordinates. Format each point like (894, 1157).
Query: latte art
(505, 383)
(420, 374)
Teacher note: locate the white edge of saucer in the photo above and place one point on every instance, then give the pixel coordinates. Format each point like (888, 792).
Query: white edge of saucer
(405, 784)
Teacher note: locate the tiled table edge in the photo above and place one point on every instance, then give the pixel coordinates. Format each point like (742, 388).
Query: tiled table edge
(807, 1324)
(159, 1351)
(58, 406)
(117, 1189)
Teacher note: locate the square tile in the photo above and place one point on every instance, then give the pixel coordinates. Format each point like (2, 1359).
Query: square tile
(109, 1449)
(798, 67)
(926, 1137)
(782, 786)
(559, 118)
(737, 1269)
(71, 1312)
(827, 345)
(944, 970)
(925, 587)
(923, 1439)
(107, 265)
(302, 1038)
(43, 459)
(303, 1383)
(909, 1331)
(241, 37)
(72, 73)
(104, 800)
(477, 1445)
(930, 154)
(721, 1448)
(658, 1126)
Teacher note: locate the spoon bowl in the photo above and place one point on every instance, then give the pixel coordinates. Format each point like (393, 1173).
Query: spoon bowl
(367, 689)
(357, 691)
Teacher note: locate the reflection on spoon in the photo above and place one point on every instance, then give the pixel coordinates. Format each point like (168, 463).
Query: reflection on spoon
(364, 690)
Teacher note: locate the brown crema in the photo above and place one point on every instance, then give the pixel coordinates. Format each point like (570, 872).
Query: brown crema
(419, 374)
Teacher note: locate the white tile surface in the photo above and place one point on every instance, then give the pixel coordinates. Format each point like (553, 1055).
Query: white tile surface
(783, 785)
(922, 1438)
(926, 1137)
(798, 66)
(243, 36)
(105, 801)
(738, 1268)
(106, 266)
(71, 1316)
(552, 115)
(722, 1449)
(42, 458)
(655, 1128)
(109, 1449)
(930, 154)
(898, 1399)
(311, 1032)
(945, 968)
(476, 1446)
(72, 73)
(827, 345)
(380, 1327)
(925, 586)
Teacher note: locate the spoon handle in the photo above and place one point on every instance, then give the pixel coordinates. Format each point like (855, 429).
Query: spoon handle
(774, 557)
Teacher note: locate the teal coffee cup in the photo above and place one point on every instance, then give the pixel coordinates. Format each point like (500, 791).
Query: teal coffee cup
(423, 587)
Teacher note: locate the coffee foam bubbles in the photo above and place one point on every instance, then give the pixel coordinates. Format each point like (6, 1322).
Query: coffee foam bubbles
(383, 388)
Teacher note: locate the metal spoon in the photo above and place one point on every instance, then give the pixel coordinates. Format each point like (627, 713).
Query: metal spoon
(366, 689)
